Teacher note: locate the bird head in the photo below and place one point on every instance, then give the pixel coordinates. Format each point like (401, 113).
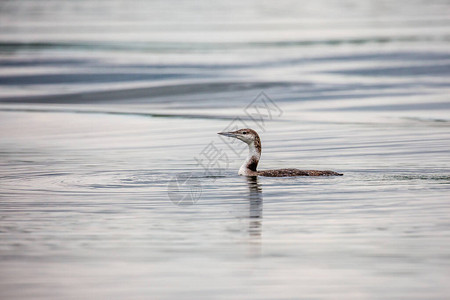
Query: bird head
(246, 135)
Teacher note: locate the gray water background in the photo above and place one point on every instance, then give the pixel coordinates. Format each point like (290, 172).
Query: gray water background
(104, 103)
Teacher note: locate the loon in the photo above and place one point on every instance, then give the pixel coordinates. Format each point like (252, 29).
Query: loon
(248, 168)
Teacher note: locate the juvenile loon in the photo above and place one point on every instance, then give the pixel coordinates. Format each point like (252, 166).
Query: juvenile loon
(248, 168)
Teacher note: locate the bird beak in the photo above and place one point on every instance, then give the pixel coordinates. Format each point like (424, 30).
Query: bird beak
(229, 134)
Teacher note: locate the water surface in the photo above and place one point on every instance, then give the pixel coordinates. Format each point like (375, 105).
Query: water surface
(103, 105)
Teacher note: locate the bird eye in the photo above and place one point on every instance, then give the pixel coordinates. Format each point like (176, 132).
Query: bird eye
(244, 132)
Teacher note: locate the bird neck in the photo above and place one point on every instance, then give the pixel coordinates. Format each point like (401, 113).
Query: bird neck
(252, 160)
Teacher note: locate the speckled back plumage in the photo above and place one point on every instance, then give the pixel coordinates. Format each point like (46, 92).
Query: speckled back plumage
(296, 172)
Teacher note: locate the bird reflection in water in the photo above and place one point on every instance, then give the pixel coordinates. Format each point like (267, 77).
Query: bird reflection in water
(255, 200)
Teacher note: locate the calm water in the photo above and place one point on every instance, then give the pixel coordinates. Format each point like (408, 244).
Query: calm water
(104, 104)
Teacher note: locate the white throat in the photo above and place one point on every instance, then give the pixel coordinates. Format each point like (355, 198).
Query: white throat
(248, 168)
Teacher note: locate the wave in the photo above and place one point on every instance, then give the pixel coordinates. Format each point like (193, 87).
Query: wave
(145, 92)
(13, 46)
(105, 111)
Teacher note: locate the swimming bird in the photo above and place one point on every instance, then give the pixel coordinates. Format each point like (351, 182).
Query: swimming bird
(248, 168)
